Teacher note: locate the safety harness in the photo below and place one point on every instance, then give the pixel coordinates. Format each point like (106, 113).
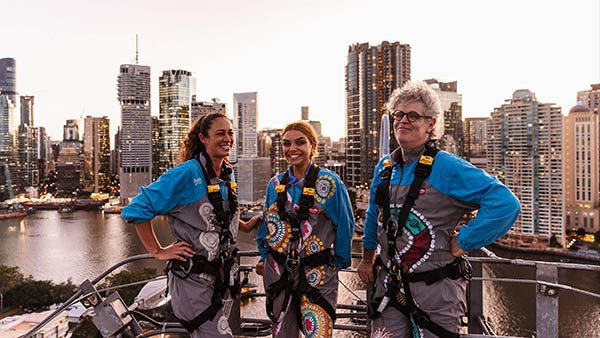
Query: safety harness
(292, 262)
(397, 272)
(226, 260)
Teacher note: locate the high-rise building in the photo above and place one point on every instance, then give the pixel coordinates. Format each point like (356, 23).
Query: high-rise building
(43, 152)
(372, 74)
(96, 154)
(27, 110)
(525, 152)
(324, 143)
(245, 124)
(155, 146)
(8, 149)
(590, 98)
(449, 126)
(336, 157)
(136, 133)
(115, 155)
(69, 162)
(581, 139)
(304, 113)
(27, 146)
(476, 141)
(27, 152)
(176, 88)
(201, 108)
(253, 180)
(269, 145)
(8, 79)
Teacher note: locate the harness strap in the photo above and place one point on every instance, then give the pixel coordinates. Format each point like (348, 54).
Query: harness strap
(459, 267)
(216, 200)
(392, 228)
(222, 284)
(285, 283)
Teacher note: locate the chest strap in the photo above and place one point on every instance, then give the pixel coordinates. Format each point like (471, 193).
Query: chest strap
(293, 296)
(216, 200)
(307, 199)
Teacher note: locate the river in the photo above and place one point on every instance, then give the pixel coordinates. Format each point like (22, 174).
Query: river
(82, 244)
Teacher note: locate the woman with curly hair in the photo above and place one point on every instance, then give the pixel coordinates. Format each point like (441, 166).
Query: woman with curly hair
(199, 198)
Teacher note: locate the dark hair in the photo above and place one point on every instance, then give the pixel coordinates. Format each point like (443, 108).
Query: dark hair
(192, 146)
(307, 130)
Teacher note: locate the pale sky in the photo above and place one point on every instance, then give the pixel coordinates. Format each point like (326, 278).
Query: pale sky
(293, 53)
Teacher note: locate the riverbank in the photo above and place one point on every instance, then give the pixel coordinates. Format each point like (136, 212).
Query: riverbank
(556, 253)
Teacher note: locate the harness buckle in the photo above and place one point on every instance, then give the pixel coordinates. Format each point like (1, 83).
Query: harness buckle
(313, 295)
(292, 217)
(292, 264)
(182, 269)
(420, 317)
(392, 227)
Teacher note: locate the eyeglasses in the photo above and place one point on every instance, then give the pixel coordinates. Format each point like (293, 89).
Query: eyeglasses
(411, 116)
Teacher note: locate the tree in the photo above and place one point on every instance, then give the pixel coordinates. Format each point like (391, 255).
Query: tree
(10, 276)
(597, 237)
(581, 232)
(63, 291)
(554, 242)
(31, 294)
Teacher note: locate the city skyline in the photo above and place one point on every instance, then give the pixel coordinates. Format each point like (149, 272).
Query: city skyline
(550, 49)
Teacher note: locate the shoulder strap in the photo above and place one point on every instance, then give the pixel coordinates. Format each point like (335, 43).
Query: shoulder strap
(307, 199)
(422, 171)
(216, 200)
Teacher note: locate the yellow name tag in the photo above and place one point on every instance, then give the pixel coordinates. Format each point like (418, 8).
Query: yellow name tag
(386, 162)
(308, 191)
(280, 188)
(427, 160)
(213, 188)
(233, 185)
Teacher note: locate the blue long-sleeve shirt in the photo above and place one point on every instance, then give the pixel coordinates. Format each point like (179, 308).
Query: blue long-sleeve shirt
(453, 184)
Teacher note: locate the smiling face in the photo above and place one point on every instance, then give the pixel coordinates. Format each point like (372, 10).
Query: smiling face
(219, 139)
(413, 134)
(297, 149)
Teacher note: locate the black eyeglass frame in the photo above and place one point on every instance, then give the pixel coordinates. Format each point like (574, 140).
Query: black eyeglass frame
(411, 116)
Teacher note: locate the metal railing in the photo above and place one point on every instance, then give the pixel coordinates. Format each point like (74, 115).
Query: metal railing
(546, 297)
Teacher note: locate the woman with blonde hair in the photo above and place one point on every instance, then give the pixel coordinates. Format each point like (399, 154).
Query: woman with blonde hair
(304, 239)
(199, 198)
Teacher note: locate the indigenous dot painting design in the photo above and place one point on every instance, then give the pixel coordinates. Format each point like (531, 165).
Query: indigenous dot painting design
(313, 245)
(316, 276)
(421, 239)
(325, 188)
(279, 234)
(315, 321)
(382, 332)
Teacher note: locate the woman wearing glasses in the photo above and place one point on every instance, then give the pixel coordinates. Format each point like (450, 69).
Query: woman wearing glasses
(305, 238)
(199, 198)
(418, 195)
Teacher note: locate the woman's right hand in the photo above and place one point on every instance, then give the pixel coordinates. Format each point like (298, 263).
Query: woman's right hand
(365, 271)
(178, 250)
(260, 268)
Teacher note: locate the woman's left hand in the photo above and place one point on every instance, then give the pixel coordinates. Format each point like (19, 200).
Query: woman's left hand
(251, 224)
(454, 248)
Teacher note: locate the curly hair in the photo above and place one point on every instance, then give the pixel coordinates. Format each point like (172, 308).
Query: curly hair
(416, 91)
(192, 146)
(307, 130)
